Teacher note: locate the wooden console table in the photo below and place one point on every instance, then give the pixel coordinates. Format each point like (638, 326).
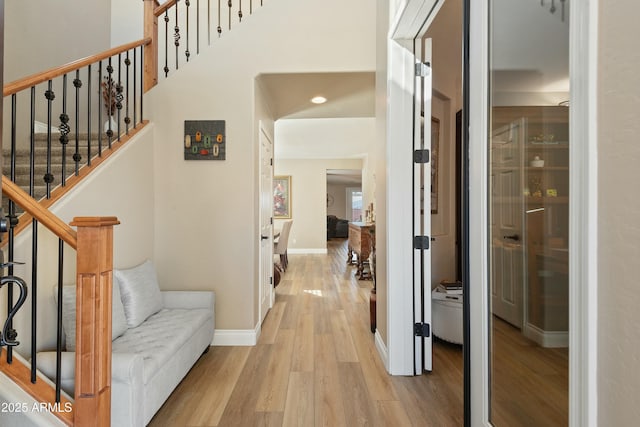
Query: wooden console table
(360, 240)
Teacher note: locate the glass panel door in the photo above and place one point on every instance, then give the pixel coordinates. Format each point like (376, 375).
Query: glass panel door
(529, 212)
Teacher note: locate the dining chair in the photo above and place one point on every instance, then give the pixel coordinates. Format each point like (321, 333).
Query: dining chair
(280, 246)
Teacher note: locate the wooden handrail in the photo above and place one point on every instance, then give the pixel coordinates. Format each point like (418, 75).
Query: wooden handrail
(40, 213)
(27, 82)
(162, 8)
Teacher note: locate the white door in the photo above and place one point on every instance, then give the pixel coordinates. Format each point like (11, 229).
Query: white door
(266, 224)
(507, 215)
(422, 207)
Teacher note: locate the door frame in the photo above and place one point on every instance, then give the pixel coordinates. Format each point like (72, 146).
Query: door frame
(583, 228)
(410, 20)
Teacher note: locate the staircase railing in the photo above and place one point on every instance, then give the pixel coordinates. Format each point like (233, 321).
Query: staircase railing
(88, 107)
(93, 242)
(186, 25)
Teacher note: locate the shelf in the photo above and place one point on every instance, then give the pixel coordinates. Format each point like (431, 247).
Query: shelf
(560, 200)
(548, 168)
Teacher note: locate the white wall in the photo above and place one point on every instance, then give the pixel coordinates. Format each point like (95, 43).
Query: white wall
(206, 212)
(308, 189)
(122, 187)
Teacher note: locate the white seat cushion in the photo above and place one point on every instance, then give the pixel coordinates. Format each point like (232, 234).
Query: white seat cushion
(160, 336)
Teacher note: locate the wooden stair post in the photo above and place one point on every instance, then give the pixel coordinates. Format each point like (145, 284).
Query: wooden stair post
(94, 283)
(151, 49)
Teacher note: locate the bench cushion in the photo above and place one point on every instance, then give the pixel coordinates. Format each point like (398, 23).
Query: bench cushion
(160, 336)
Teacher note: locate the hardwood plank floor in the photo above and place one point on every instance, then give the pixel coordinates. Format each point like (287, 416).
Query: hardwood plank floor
(315, 364)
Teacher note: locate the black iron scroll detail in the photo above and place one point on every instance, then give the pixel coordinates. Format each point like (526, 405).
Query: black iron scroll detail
(9, 335)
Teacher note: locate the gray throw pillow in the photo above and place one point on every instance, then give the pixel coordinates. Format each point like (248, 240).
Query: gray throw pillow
(140, 292)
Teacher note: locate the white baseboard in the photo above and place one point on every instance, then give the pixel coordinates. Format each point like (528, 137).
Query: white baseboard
(547, 339)
(236, 337)
(307, 251)
(382, 350)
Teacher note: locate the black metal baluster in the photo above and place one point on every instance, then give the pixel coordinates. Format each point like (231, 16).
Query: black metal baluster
(141, 84)
(34, 234)
(12, 167)
(77, 83)
(89, 110)
(48, 177)
(119, 96)
(127, 119)
(34, 296)
(59, 326)
(64, 130)
(166, 43)
(186, 52)
(109, 101)
(100, 103)
(176, 34)
(135, 92)
(32, 145)
(12, 213)
(219, 20)
(240, 11)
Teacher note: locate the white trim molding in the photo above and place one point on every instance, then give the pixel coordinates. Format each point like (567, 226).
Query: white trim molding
(583, 227)
(478, 207)
(321, 251)
(236, 337)
(382, 349)
(547, 339)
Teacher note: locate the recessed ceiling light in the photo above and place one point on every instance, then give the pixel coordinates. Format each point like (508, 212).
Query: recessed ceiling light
(318, 99)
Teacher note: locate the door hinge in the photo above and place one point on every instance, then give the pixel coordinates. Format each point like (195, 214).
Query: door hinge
(421, 242)
(271, 280)
(271, 220)
(270, 162)
(422, 330)
(421, 156)
(423, 69)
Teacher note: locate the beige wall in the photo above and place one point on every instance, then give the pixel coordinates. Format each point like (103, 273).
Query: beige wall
(339, 194)
(122, 187)
(380, 166)
(446, 34)
(309, 187)
(619, 213)
(206, 212)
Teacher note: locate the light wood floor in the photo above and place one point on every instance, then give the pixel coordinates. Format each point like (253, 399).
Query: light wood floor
(315, 365)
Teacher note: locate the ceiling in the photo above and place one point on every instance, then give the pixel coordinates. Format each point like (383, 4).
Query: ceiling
(344, 177)
(348, 94)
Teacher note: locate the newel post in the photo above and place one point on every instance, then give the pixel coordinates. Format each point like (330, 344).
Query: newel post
(94, 283)
(150, 50)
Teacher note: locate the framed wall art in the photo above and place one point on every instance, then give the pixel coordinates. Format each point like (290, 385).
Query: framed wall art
(282, 196)
(204, 140)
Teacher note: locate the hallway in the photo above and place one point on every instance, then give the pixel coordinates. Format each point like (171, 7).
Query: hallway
(315, 364)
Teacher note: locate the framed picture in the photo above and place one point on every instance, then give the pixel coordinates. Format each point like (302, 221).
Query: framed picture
(282, 196)
(435, 143)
